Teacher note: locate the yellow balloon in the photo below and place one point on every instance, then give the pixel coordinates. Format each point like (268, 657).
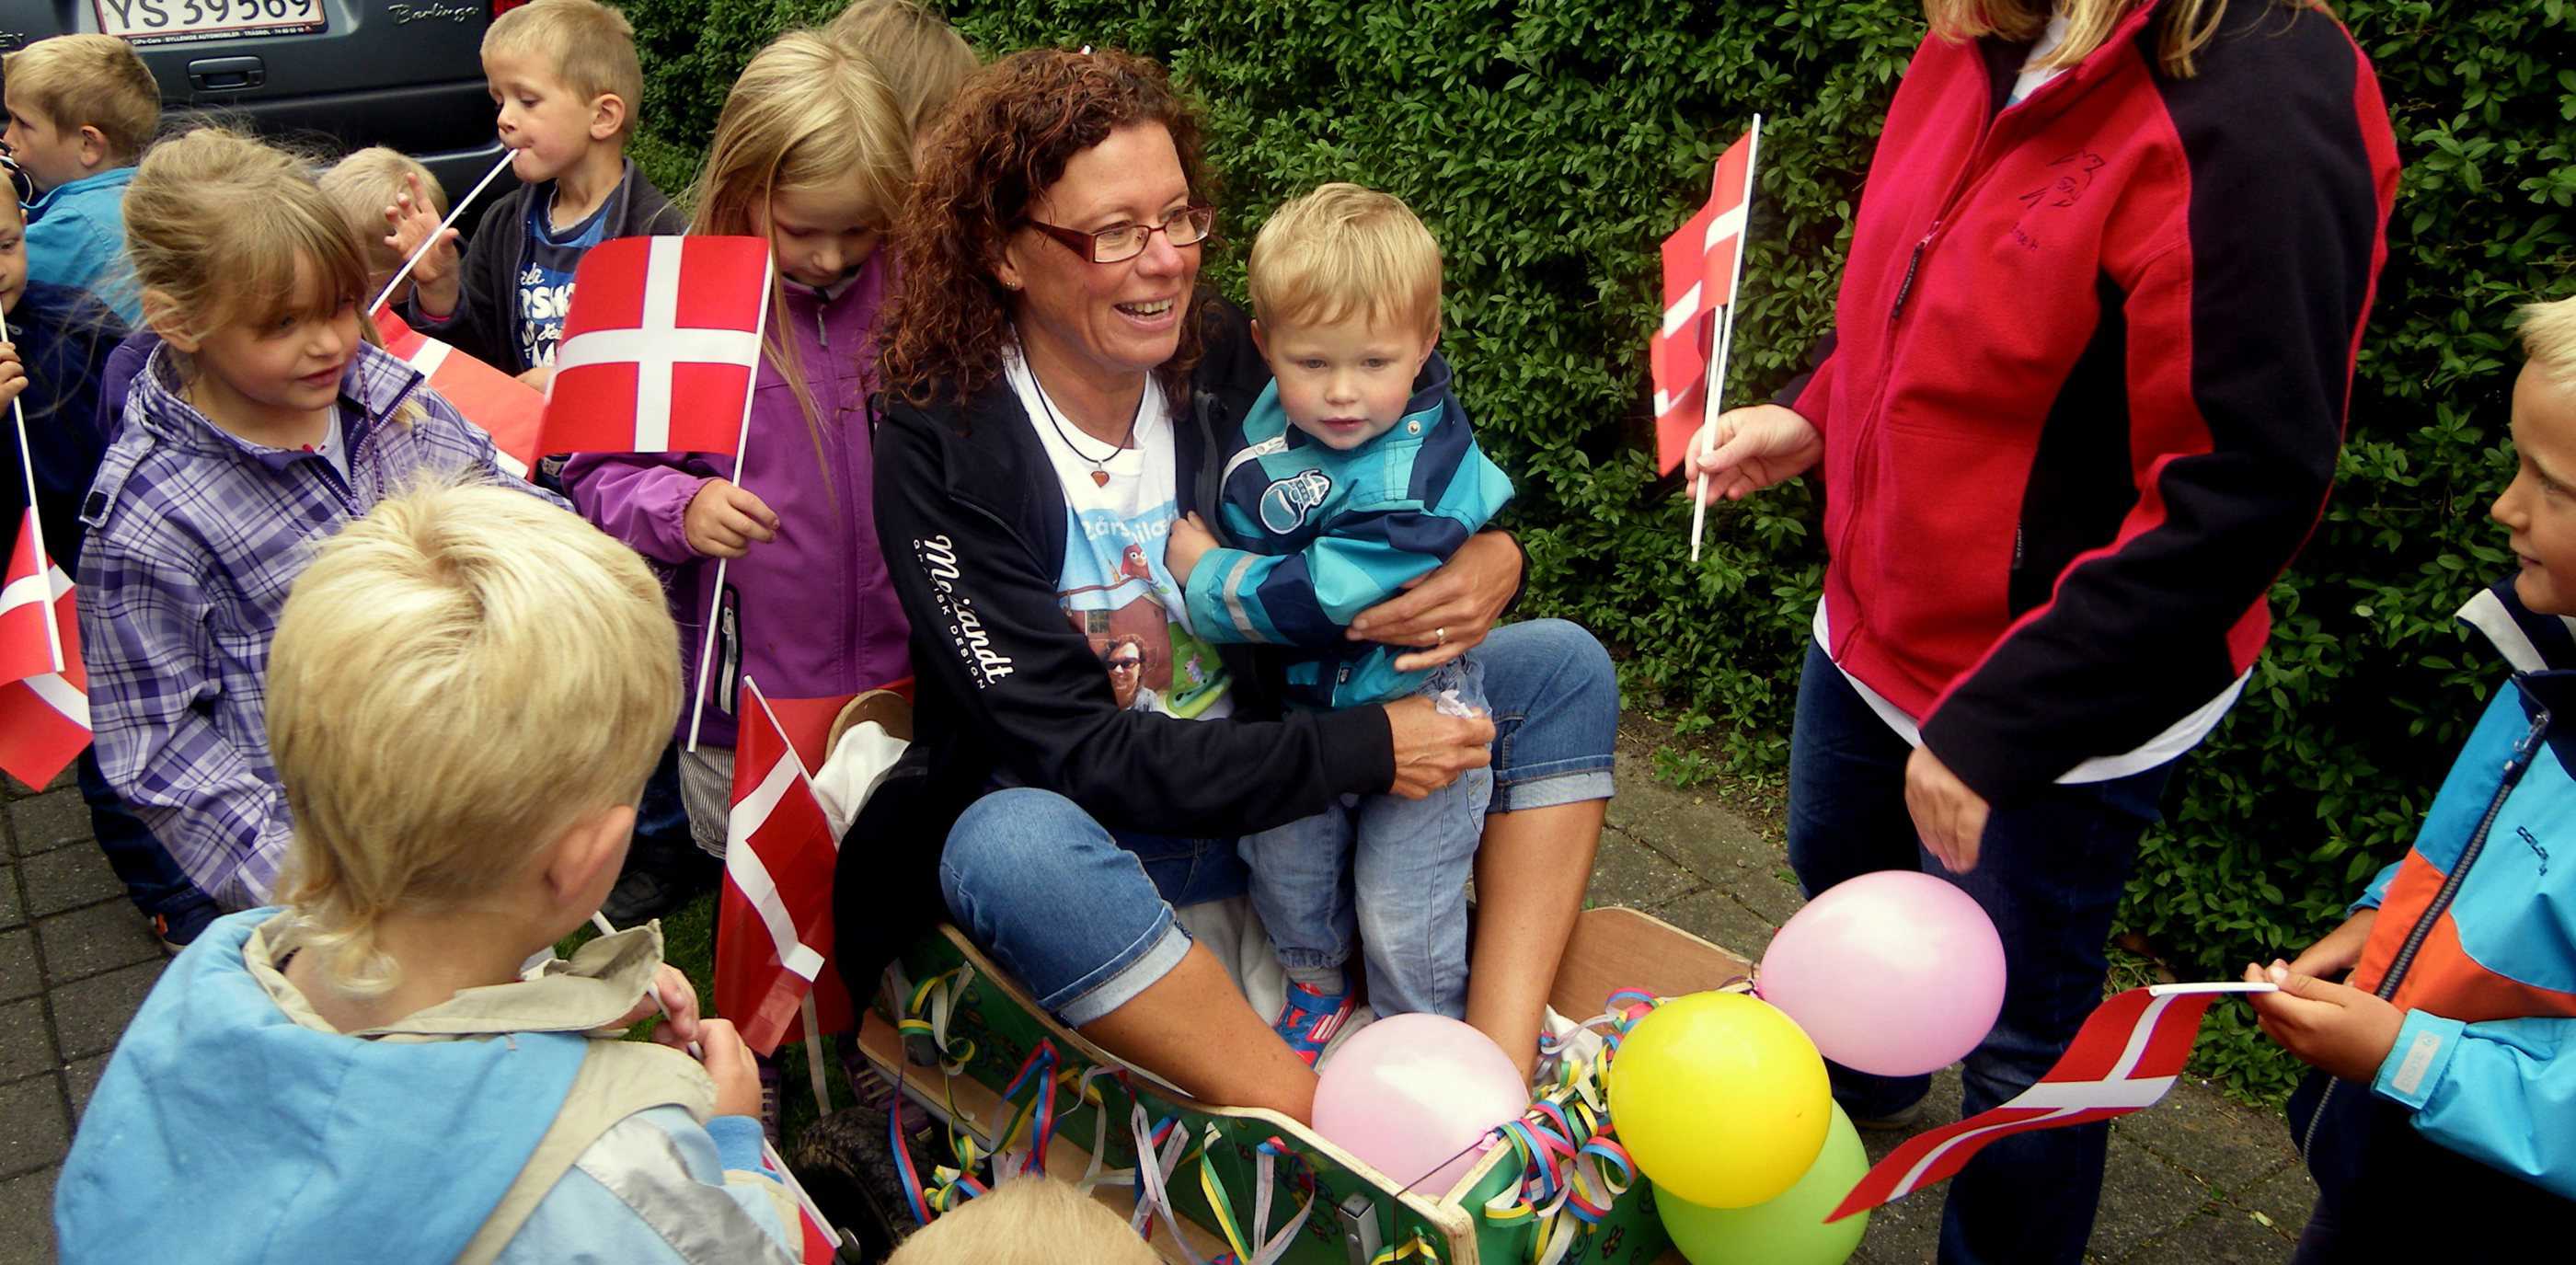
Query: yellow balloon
(1720, 1099)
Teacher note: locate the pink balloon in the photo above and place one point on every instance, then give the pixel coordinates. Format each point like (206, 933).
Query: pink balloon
(1411, 1094)
(1895, 973)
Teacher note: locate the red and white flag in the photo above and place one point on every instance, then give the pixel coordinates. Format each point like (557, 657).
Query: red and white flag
(507, 409)
(660, 346)
(44, 694)
(1700, 264)
(774, 920)
(2123, 1059)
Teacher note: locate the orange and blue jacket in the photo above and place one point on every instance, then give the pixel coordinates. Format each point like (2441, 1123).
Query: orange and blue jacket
(2476, 935)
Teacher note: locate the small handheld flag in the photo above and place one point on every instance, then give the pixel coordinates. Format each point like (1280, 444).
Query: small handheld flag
(404, 273)
(1703, 260)
(44, 691)
(2123, 1059)
(774, 919)
(507, 409)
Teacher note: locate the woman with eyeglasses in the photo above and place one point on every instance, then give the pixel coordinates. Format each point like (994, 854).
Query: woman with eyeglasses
(1055, 382)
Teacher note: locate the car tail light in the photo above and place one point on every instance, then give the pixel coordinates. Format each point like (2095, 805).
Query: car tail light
(500, 7)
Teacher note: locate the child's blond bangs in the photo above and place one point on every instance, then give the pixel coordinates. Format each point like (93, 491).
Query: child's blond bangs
(2549, 340)
(1344, 252)
(219, 225)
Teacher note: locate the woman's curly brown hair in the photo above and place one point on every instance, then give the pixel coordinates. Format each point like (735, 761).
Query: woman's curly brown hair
(1002, 144)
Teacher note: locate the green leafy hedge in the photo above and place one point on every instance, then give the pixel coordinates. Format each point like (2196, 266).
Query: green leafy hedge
(1551, 145)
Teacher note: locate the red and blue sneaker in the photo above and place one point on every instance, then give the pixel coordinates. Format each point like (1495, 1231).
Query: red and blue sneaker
(1310, 1018)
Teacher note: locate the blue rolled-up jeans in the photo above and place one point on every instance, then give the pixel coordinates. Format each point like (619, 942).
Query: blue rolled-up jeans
(2049, 873)
(1082, 916)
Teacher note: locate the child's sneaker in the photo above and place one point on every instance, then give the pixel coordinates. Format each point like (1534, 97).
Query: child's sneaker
(1310, 1018)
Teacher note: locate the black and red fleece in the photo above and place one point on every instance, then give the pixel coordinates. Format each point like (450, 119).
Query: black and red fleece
(2088, 380)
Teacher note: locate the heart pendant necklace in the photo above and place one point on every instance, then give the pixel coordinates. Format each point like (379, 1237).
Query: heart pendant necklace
(1099, 465)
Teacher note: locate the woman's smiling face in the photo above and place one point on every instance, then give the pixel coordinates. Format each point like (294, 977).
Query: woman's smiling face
(1118, 320)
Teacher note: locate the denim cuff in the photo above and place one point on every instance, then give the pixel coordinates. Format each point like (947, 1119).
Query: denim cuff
(1564, 782)
(1119, 981)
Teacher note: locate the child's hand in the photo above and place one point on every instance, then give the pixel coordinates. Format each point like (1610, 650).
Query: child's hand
(723, 520)
(1190, 540)
(677, 1000)
(13, 375)
(729, 1063)
(2334, 956)
(539, 376)
(411, 220)
(2339, 1030)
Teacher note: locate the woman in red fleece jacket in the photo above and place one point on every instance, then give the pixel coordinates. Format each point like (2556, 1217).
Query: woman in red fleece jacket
(2082, 404)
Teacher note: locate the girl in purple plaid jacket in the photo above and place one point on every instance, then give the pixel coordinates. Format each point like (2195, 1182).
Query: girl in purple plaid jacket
(264, 421)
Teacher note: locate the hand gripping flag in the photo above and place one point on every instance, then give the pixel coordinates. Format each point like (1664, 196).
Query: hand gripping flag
(660, 346)
(2123, 1059)
(506, 408)
(44, 693)
(1701, 261)
(774, 920)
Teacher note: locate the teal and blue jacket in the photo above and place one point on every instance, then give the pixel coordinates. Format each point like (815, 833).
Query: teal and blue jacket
(2476, 935)
(76, 238)
(1325, 534)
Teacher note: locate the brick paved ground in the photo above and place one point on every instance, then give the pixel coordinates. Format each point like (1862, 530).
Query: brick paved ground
(2195, 1181)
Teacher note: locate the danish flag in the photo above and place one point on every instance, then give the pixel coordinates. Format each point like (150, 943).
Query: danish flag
(660, 346)
(774, 920)
(1701, 261)
(2123, 1059)
(44, 694)
(506, 408)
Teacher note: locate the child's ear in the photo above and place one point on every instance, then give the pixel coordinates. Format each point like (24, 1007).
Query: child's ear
(607, 116)
(161, 312)
(94, 150)
(1260, 338)
(592, 843)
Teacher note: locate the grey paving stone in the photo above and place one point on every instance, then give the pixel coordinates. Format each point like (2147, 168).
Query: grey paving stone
(89, 1016)
(2224, 1145)
(2220, 1235)
(45, 822)
(33, 1132)
(18, 974)
(1714, 915)
(27, 1218)
(99, 938)
(68, 878)
(2286, 1198)
(26, 1047)
(11, 911)
(1625, 872)
(2143, 1197)
(82, 1079)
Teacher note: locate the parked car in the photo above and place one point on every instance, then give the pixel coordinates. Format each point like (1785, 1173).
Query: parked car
(334, 74)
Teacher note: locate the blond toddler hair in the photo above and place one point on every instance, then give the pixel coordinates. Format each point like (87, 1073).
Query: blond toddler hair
(456, 679)
(95, 81)
(1341, 253)
(364, 184)
(2549, 340)
(923, 60)
(1026, 1221)
(590, 45)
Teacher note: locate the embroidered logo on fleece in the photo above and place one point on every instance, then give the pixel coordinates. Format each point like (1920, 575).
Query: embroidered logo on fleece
(1286, 502)
(938, 558)
(2532, 842)
(2069, 177)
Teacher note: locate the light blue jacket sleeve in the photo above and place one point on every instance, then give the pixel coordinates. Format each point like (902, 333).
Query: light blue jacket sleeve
(657, 1189)
(1308, 597)
(82, 244)
(2502, 1092)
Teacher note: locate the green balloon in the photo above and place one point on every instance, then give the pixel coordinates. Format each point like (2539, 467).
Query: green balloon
(1788, 1230)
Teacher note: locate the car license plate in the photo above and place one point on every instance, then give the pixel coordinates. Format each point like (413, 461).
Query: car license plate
(187, 21)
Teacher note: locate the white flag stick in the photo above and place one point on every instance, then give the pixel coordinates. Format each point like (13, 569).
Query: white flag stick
(814, 1056)
(742, 440)
(1725, 338)
(435, 238)
(768, 1153)
(36, 524)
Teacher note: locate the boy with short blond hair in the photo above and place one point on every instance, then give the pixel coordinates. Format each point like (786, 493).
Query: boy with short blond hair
(2446, 1064)
(466, 692)
(366, 184)
(81, 110)
(565, 78)
(1355, 472)
(1027, 1220)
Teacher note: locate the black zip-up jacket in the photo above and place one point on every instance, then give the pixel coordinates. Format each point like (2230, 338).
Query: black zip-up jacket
(972, 522)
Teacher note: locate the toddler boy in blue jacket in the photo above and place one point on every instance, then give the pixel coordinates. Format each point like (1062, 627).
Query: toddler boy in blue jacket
(81, 109)
(1355, 474)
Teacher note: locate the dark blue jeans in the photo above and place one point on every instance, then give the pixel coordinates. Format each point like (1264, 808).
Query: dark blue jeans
(153, 881)
(2049, 873)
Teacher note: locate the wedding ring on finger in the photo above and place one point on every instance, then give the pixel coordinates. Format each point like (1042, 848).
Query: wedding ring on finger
(1440, 635)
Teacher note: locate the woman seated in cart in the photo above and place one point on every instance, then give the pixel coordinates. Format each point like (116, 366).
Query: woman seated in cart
(1058, 392)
